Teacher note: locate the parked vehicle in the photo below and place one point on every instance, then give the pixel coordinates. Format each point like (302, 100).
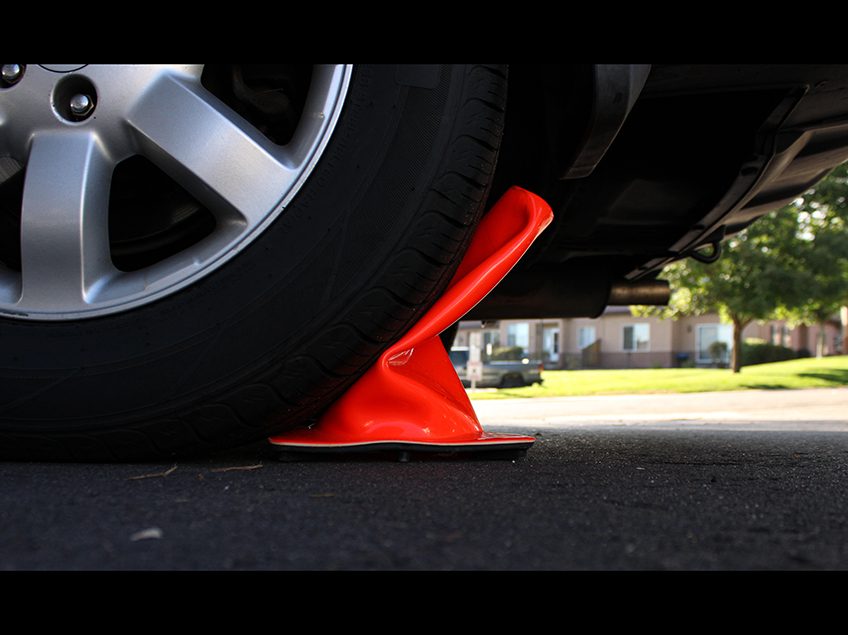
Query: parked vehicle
(198, 256)
(498, 374)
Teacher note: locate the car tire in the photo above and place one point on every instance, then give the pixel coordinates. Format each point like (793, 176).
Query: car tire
(265, 341)
(512, 380)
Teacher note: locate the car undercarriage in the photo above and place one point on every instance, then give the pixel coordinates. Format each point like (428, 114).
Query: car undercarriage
(647, 164)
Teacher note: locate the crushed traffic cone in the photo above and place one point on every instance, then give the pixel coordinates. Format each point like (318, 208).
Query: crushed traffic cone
(412, 398)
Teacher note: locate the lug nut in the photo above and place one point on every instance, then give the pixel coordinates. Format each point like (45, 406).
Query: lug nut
(11, 73)
(81, 105)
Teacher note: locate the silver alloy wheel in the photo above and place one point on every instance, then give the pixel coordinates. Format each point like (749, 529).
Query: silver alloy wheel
(70, 125)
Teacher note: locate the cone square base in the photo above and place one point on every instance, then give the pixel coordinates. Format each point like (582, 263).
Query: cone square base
(486, 443)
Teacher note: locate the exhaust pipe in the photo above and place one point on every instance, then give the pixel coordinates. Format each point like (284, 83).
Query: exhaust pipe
(559, 294)
(652, 292)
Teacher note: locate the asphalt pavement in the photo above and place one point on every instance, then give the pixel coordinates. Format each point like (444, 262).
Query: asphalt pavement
(660, 485)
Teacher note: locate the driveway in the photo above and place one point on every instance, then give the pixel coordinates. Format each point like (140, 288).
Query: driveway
(674, 482)
(813, 409)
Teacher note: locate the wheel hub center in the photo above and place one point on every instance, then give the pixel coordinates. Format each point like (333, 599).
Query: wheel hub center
(91, 98)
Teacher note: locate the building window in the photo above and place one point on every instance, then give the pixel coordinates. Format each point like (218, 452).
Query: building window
(550, 343)
(491, 341)
(710, 352)
(779, 335)
(518, 334)
(585, 336)
(637, 337)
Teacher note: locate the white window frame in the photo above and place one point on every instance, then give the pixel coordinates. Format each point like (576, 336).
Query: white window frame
(586, 328)
(554, 331)
(524, 326)
(708, 359)
(633, 325)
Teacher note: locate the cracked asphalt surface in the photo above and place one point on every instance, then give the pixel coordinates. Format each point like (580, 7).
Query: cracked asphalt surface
(592, 494)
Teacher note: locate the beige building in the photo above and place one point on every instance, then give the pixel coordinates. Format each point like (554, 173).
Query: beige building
(617, 339)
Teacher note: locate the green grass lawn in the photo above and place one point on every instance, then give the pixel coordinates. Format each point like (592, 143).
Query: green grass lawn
(827, 372)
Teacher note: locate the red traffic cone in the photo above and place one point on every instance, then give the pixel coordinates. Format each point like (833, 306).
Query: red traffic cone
(412, 398)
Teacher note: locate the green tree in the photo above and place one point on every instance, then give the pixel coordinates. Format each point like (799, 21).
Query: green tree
(791, 264)
(821, 253)
(747, 283)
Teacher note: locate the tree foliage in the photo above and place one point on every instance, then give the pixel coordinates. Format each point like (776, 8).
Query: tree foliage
(821, 251)
(790, 264)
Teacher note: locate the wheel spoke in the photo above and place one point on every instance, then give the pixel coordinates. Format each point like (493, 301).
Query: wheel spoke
(210, 150)
(64, 222)
(66, 159)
